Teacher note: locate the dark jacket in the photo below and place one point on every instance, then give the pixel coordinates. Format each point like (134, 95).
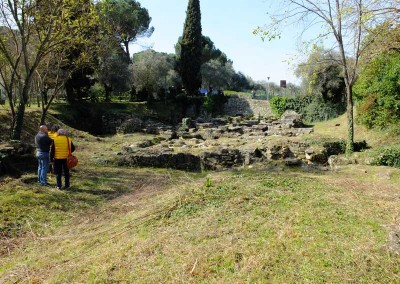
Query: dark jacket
(43, 142)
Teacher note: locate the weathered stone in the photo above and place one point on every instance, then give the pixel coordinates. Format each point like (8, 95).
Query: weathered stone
(259, 128)
(17, 157)
(292, 161)
(204, 125)
(130, 125)
(219, 121)
(145, 144)
(187, 123)
(334, 161)
(236, 129)
(212, 133)
(394, 240)
(179, 161)
(248, 123)
(290, 119)
(244, 106)
(111, 121)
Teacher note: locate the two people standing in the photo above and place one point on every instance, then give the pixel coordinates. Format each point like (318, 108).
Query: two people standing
(56, 150)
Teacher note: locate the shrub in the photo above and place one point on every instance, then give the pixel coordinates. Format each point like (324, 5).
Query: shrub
(339, 147)
(214, 104)
(279, 105)
(378, 91)
(312, 107)
(388, 156)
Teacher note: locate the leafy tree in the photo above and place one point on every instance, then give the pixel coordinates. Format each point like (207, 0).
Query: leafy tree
(127, 20)
(216, 74)
(322, 75)
(191, 49)
(113, 71)
(152, 72)
(31, 31)
(214, 104)
(49, 80)
(209, 51)
(345, 23)
(378, 90)
(240, 82)
(382, 39)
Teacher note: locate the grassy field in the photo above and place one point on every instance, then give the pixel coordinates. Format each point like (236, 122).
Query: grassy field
(249, 225)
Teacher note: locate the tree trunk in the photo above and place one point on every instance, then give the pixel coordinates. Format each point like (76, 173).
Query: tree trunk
(126, 44)
(107, 91)
(350, 121)
(43, 116)
(19, 121)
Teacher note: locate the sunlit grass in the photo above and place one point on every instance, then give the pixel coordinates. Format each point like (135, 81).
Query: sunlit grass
(246, 226)
(266, 225)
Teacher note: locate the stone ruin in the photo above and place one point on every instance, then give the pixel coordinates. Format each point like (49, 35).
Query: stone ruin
(221, 143)
(16, 158)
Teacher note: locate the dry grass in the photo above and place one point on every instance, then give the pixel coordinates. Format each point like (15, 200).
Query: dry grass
(248, 226)
(260, 225)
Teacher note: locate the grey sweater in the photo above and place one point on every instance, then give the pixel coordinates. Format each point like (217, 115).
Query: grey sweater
(43, 142)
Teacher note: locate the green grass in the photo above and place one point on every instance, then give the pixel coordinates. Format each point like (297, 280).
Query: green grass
(227, 92)
(246, 226)
(262, 225)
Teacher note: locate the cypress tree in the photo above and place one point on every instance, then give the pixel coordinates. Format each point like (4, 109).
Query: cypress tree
(191, 49)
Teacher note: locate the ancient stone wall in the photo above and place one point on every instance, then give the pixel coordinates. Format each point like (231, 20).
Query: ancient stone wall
(16, 158)
(241, 105)
(112, 121)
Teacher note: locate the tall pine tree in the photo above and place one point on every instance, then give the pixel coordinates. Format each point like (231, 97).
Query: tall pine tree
(191, 49)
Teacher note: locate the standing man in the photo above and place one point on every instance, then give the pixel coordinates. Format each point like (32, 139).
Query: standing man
(43, 143)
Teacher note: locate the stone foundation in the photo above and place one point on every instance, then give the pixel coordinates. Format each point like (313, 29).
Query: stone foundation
(16, 158)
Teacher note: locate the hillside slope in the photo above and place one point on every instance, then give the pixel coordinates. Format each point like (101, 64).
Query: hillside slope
(256, 224)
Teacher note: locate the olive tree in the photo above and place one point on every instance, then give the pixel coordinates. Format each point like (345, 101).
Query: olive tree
(154, 71)
(216, 74)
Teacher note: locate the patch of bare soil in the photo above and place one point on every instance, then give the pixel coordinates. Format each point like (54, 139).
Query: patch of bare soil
(394, 240)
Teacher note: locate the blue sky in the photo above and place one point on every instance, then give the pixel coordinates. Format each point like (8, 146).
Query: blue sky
(229, 24)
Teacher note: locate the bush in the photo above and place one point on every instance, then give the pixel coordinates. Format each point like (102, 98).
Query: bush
(339, 147)
(388, 156)
(312, 107)
(378, 91)
(214, 104)
(279, 105)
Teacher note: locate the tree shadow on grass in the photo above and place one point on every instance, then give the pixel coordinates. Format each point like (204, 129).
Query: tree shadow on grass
(25, 205)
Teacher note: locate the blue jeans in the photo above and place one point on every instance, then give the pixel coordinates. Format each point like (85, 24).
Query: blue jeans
(43, 167)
